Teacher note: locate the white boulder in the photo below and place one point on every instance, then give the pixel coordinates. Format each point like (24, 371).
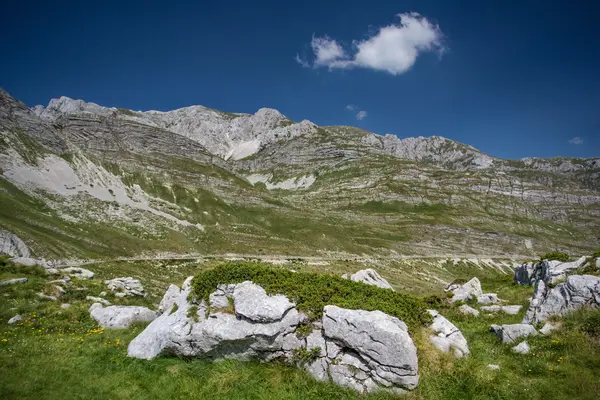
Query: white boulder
(447, 337)
(371, 277)
(125, 286)
(468, 310)
(120, 317)
(522, 348)
(512, 332)
(12, 245)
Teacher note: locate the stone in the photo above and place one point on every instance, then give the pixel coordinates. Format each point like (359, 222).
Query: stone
(494, 367)
(13, 281)
(447, 337)
(468, 310)
(15, 319)
(12, 245)
(550, 327)
(522, 348)
(549, 271)
(381, 340)
(371, 277)
(364, 350)
(77, 272)
(60, 289)
(512, 332)
(45, 296)
(488, 298)
(169, 299)
(471, 289)
(120, 317)
(125, 286)
(252, 302)
(98, 300)
(511, 310)
(65, 305)
(578, 291)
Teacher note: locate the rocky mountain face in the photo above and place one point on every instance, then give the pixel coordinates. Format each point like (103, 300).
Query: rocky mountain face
(79, 179)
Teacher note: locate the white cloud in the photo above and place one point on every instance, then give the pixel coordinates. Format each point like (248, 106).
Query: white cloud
(302, 62)
(351, 107)
(326, 51)
(361, 115)
(576, 140)
(394, 48)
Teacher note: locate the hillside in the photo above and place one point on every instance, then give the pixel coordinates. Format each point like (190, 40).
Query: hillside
(83, 181)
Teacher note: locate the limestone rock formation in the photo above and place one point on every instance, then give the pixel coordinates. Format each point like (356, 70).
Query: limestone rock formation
(576, 292)
(471, 290)
(119, 317)
(125, 286)
(447, 336)
(371, 277)
(363, 350)
(522, 348)
(468, 310)
(550, 271)
(12, 245)
(513, 332)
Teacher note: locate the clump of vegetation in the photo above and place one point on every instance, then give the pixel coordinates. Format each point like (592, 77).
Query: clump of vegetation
(555, 255)
(311, 292)
(302, 355)
(304, 330)
(174, 309)
(192, 313)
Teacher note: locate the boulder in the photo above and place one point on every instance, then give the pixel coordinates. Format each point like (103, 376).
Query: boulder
(15, 319)
(471, 290)
(550, 327)
(46, 297)
(371, 277)
(578, 291)
(125, 286)
(98, 300)
(549, 271)
(522, 348)
(252, 302)
(447, 336)
(377, 340)
(120, 317)
(12, 245)
(468, 310)
(362, 350)
(77, 272)
(513, 332)
(511, 310)
(13, 281)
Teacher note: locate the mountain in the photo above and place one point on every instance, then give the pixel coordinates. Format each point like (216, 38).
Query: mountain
(82, 180)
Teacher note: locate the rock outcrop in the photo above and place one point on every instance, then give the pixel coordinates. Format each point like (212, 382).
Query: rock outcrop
(363, 350)
(471, 290)
(578, 291)
(513, 332)
(125, 287)
(468, 310)
(120, 317)
(550, 271)
(12, 245)
(447, 337)
(371, 277)
(13, 281)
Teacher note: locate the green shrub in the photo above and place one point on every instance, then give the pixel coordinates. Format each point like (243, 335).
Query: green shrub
(555, 255)
(304, 330)
(192, 312)
(311, 292)
(305, 356)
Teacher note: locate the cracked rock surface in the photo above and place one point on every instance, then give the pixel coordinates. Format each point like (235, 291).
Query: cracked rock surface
(363, 350)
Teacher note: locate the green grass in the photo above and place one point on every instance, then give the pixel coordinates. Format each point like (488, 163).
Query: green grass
(59, 353)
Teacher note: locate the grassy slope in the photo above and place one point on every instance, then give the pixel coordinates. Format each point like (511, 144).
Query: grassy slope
(60, 353)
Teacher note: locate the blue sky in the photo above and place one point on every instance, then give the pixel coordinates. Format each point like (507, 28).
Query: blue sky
(513, 79)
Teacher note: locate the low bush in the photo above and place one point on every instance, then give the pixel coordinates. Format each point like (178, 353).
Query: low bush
(311, 292)
(555, 255)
